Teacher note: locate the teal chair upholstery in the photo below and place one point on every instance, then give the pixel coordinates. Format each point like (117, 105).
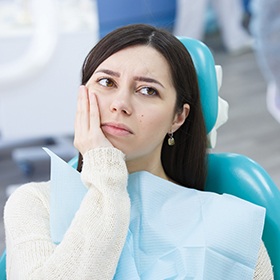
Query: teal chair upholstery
(229, 173)
(3, 266)
(241, 176)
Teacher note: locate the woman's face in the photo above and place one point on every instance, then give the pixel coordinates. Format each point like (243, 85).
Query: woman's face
(136, 99)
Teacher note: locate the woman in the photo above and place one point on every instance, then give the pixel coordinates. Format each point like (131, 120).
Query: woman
(138, 113)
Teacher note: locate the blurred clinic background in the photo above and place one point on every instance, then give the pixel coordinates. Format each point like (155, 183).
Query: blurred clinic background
(43, 44)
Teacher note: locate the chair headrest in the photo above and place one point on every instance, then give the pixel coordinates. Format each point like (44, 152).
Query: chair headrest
(207, 79)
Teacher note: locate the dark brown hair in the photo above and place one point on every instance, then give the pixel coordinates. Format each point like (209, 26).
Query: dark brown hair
(185, 162)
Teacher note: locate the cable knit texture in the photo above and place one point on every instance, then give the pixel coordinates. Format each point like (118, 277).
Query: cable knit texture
(263, 268)
(92, 245)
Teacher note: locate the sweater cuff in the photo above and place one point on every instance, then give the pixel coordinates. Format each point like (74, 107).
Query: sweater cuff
(105, 169)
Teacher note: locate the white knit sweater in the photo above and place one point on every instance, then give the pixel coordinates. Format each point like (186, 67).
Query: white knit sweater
(92, 245)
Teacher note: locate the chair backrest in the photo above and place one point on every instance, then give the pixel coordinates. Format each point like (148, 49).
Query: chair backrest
(229, 173)
(232, 173)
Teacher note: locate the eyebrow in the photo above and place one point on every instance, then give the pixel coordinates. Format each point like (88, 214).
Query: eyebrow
(136, 78)
(109, 72)
(148, 80)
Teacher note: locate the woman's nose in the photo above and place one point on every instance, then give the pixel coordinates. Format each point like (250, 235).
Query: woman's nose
(121, 103)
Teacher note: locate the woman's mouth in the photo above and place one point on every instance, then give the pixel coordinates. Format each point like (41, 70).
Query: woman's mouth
(116, 129)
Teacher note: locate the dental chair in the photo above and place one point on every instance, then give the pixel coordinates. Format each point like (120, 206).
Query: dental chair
(233, 173)
(227, 173)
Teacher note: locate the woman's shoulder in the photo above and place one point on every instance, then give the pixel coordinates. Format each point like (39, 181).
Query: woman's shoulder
(29, 195)
(27, 211)
(32, 189)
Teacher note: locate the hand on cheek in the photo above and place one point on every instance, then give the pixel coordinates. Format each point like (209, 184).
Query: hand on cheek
(88, 134)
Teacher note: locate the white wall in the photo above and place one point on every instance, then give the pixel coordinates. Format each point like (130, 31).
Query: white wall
(42, 101)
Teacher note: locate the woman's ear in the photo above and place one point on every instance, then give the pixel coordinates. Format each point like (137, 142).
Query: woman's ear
(180, 118)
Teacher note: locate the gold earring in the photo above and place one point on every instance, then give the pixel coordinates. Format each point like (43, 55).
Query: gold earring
(171, 140)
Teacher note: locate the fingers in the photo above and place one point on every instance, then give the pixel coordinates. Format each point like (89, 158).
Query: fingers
(94, 114)
(82, 119)
(88, 134)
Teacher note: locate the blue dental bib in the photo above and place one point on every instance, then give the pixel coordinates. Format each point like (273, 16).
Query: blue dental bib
(174, 232)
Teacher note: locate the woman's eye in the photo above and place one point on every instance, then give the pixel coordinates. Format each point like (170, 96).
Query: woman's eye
(106, 82)
(148, 91)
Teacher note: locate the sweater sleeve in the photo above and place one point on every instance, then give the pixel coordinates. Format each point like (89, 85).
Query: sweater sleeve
(93, 243)
(263, 269)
